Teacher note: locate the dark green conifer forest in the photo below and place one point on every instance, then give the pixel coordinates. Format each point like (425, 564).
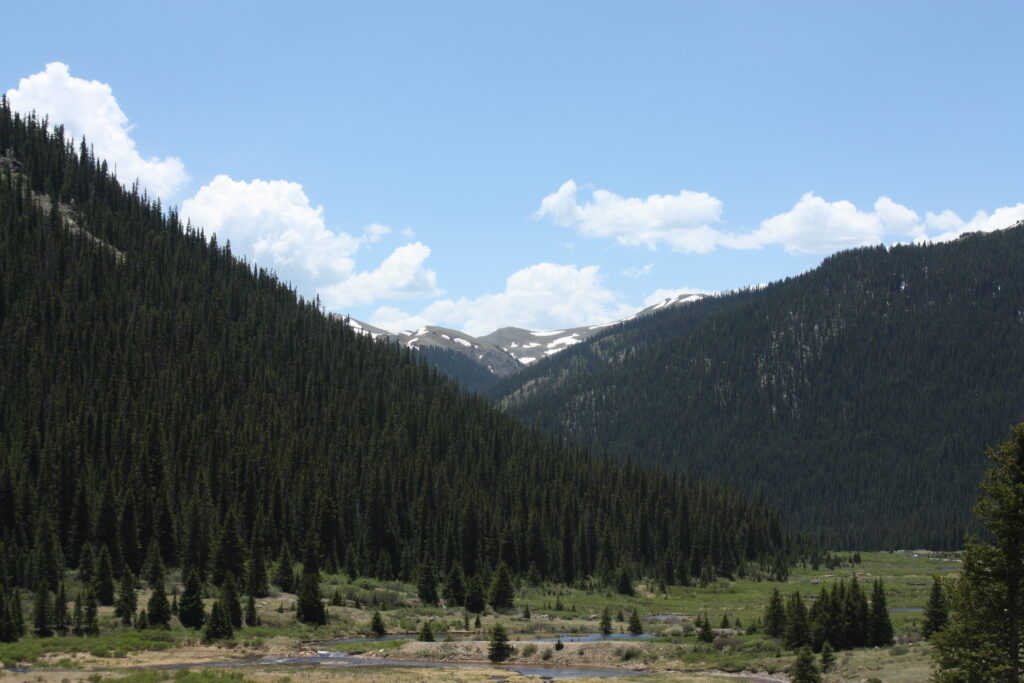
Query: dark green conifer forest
(162, 398)
(858, 396)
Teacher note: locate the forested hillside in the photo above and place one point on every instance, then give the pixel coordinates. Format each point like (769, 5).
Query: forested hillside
(859, 396)
(156, 391)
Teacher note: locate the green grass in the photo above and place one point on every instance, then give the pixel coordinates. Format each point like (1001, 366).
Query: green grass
(112, 644)
(907, 579)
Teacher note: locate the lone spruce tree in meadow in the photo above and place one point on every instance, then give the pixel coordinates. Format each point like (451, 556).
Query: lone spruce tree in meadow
(635, 627)
(377, 624)
(803, 669)
(498, 648)
(190, 608)
(704, 633)
(982, 641)
(936, 614)
(606, 622)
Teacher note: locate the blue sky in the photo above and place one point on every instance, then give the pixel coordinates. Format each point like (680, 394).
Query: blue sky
(541, 164)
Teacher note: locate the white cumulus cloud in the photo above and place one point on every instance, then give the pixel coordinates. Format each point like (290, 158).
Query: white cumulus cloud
(402, 275)
(813, 226)
(817, 226)
(680, 221)
(545, 296)
(272, 222)
(88, 108)
(950, 226)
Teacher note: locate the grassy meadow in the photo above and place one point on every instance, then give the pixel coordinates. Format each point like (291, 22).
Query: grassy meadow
(668, 616)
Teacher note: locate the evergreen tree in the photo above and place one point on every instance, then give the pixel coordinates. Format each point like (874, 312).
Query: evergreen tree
(158, 610)
(855, 616)
(230, 601)
(11, 624)
(153, 567)
(527, 614)
(623, 582)
(284, 572)
(880, 623)
(218, 626)
(803, 669)
(936, 614)
(982, 640)
(704, 633)
(227, 555)
(475, 596)
(426, 583)
(126, 601)
(455, 586)
(78, 620)
(90, 619)
(41, 611)
(798, 629)
(103, 578)
(498, 648)
(775, 616)
(309, 609)
(256, 582)
(606, 622)
(501, 593)
(190, 611)
(635, 627)
(190, 608)
(142, 620)
(377, 624)
(252, 618)
(86, 562)
(60, 610)
(828, 660)
(426, 634)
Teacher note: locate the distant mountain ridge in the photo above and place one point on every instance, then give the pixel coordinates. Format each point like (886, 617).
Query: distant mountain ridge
(860, 396)
(507, 350)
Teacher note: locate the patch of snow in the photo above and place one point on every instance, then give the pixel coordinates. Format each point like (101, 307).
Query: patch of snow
(463, 342)
(531, 345)
(526, 360)
(353, 323)
(567, 341)
(547, 334)
(446, 337)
